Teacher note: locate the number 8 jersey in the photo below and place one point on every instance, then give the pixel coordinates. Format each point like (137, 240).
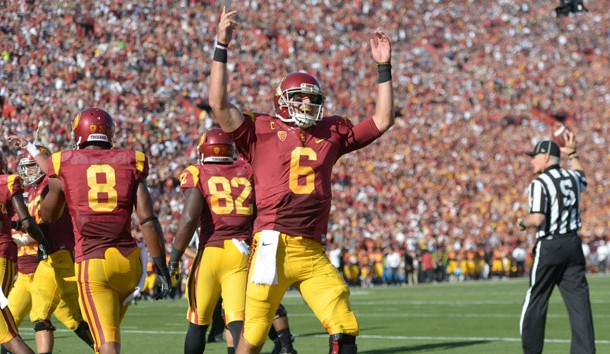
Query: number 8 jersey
(100, 189)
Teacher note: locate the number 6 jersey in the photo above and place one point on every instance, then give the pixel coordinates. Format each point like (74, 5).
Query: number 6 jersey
(100, 189)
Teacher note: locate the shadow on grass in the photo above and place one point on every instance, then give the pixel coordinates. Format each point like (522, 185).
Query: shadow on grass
(424, 347)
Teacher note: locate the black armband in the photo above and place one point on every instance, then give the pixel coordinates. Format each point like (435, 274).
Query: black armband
(220, 53)
(176, 255)
(385, 72)
(148, 219)
(29, 217)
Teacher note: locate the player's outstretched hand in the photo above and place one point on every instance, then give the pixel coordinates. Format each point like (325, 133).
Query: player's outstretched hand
(570, 142)
(381, 47)
(226, 26)
(17, 142)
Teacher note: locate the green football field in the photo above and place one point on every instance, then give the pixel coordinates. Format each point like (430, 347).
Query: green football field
(471, 317)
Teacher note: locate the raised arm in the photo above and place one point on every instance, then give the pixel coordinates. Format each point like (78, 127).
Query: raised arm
(37, 155)
(570, 150)
(382, 53)
(226, 114)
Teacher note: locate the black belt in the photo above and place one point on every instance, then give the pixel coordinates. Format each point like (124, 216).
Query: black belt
(554, 236)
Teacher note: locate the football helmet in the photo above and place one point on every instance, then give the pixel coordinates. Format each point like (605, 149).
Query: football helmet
(28, 169)
(289, 104)
(215, 146)
(92, 125)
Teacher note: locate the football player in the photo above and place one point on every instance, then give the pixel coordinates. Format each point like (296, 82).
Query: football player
(219, 197)
(100, 187)
(20, 297)
(54, 275)
(292, 154)
(11, 201)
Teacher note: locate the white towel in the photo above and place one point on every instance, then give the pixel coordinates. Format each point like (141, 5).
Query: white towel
(242, 246)
(3, 299)
(265, 271)
(140, 286)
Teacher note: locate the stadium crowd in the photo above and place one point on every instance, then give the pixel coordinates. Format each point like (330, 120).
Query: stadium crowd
(476, 84)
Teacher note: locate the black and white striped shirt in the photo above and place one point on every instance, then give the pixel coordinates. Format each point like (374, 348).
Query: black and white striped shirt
(556, 194)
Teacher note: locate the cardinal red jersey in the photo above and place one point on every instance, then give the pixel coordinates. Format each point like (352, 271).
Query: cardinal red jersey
(60, 233)
(27, 256)
(9, 186)
(229, 207)
(293, 168)
(100, 189)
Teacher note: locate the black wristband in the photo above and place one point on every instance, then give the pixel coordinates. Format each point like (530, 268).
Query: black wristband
(385, 72)
(220, 55)
(176, 255)
(572, 153)
(26, 218)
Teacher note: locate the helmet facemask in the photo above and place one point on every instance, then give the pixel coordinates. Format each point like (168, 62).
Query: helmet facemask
(303, 114)
(29, 171)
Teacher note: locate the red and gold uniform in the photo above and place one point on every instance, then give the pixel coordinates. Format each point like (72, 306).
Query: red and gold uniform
(293, 169)
(378, 259)
(220, 269)
(10, 185)
(366, 276)
(20, 299)
(100, 187)
(351, 268)
(55, 278)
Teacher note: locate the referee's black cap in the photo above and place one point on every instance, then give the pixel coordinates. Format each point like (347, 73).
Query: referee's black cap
(546, 147)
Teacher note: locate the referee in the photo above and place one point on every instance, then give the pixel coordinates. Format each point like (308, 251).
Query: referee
(554, 198)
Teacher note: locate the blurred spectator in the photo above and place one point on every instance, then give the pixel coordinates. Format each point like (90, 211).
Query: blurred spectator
(474, 84)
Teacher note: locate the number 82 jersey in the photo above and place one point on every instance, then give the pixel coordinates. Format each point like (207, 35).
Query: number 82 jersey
(228, 211)
(100, 190)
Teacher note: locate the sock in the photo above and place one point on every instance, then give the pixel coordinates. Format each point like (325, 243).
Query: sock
(194, 343)
(235, 328)
(83, 332)
(285, 338)
(272, 333)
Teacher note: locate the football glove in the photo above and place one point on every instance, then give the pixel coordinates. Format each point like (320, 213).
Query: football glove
(174, 266)
(164, 280)
(43, 249)
(174, 272)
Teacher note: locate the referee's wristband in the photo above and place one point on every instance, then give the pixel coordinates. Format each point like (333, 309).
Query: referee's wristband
(521, 224)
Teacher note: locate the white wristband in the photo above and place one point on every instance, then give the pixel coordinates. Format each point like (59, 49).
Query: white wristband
(32, 149)
(21, 241)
